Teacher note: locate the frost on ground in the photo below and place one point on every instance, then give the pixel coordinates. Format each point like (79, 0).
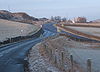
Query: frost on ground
(47, 55)
(88, 30)
(10, 29)
(37, 63)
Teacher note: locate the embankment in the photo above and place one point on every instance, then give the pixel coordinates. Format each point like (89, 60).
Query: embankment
(20, 38)
(53, 53)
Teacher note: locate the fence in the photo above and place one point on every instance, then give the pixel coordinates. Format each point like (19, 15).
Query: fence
(64, 60)
(19, 38)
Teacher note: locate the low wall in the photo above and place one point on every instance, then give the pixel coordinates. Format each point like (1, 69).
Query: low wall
(19, 38)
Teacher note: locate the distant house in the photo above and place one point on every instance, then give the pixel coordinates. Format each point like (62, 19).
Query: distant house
(80, 20)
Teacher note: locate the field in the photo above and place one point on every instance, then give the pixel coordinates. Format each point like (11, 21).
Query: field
(87, 30)
(93, 24)
(87, 24)
(48, 54)
(10, 29)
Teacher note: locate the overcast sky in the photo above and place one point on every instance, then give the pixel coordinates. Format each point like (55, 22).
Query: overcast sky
(48, 8)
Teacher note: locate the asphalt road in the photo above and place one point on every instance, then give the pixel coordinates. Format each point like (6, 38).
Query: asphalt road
(12, 56)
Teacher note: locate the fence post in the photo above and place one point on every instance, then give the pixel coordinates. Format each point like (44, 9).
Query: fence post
(55, 60)
(51, 54)
(62, 57)
(89, 67)
(62, 61)
(71, 58)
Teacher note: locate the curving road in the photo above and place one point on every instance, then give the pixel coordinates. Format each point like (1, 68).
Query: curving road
(12, 56)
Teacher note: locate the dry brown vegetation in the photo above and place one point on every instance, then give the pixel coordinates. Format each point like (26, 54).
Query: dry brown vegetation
(10, 29)
(78, 32)
(54, 48)
(80, 20)
(51, 50)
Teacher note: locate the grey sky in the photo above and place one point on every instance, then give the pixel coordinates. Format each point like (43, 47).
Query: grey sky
(47, 8)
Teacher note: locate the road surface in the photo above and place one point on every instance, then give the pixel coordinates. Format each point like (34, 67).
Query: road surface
(12, 56)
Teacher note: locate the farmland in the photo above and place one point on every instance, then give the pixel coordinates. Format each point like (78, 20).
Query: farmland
(10, 29)
(49, 55)
(87, 30)
(88, 24)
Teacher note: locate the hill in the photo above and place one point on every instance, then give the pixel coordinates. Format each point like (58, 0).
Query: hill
(10, 29)
(5, 15)
(19, 16)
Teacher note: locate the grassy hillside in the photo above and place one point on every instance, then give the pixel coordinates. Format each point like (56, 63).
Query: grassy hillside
(10, 29)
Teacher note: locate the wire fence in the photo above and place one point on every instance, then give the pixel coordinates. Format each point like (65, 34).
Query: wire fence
(61, 58)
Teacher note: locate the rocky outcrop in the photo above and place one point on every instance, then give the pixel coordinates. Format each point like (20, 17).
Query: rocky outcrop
(5, 15)
(20, 16)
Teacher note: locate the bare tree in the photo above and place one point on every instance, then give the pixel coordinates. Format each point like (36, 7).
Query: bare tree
(80, 20)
